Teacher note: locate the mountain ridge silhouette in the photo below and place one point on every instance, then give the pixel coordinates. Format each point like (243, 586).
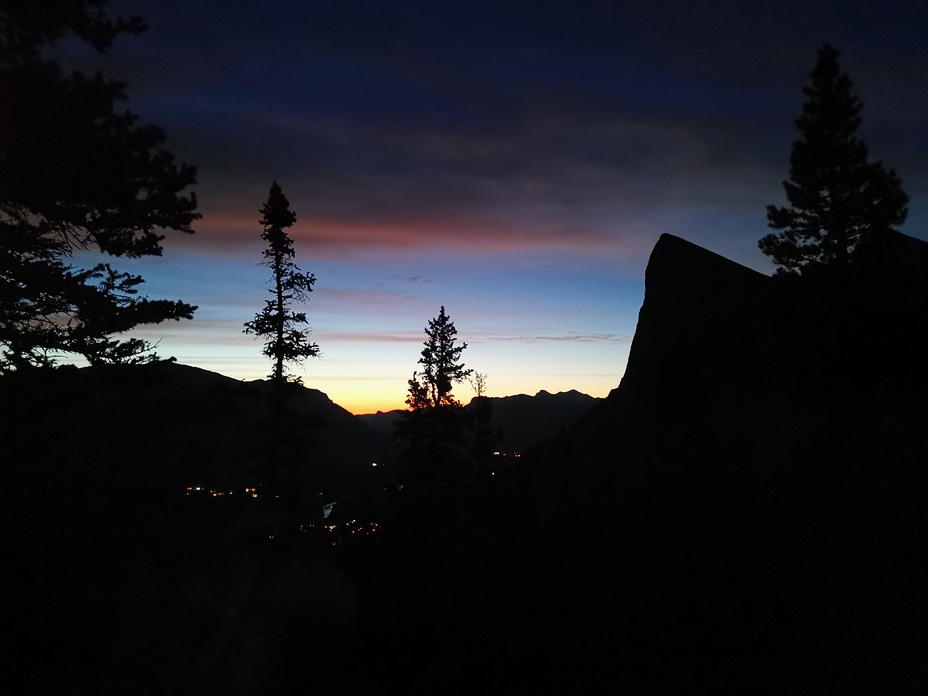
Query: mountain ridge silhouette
(522, 420)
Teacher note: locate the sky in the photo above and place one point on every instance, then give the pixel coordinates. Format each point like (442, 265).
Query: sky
(512, 161)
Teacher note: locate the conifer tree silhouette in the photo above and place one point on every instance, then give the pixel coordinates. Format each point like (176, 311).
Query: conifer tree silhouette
(837, 198)
(432, 428)
(277, 323)
(441, 362)
(77, 173)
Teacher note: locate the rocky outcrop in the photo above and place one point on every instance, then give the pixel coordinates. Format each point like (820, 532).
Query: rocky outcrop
(705, 323)
(758, 476)
(711, 328)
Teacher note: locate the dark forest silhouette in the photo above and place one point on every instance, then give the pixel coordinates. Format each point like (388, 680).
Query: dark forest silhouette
(745, 513)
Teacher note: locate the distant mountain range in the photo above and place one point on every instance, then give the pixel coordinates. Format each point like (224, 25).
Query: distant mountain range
(161, 427)
(522, 420)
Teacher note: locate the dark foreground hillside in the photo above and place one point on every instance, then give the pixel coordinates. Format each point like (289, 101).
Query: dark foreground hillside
(142, 525)
(142, 433)
(759, 479)
(745, 513)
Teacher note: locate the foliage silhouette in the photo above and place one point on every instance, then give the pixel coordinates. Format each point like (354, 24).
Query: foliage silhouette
(432, 429)
(284, 342)
(441, 364)
(77, 174)
(838, 200)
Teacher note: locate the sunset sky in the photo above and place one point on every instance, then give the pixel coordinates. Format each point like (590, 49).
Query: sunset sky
(512, 161)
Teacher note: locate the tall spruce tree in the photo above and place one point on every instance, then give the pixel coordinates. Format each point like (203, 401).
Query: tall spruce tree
(280, 326)
(77, 173)
(838, 200)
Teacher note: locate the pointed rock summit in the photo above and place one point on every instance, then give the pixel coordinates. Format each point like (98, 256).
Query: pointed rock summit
(703, 323)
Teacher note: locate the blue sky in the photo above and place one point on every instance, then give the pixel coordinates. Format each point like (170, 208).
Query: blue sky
(512, 161)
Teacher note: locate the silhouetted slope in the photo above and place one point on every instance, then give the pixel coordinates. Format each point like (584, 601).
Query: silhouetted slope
(757, 479)
(704, 324)
(115, 581)
(526, 420)
(382, 421)
(127, 440)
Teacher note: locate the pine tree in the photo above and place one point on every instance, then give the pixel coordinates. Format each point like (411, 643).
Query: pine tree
(432, 429)
(277, 323)
(838, 200)
(77, 173)
(441, 362)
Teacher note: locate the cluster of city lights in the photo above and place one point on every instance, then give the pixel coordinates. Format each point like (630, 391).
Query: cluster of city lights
(215, 493)
(337, 532)
(355, 530)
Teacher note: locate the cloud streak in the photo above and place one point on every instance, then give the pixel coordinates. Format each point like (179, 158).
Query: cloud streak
(571, 337)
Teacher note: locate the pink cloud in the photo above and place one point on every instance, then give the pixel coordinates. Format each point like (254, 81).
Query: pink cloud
(334, 239)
